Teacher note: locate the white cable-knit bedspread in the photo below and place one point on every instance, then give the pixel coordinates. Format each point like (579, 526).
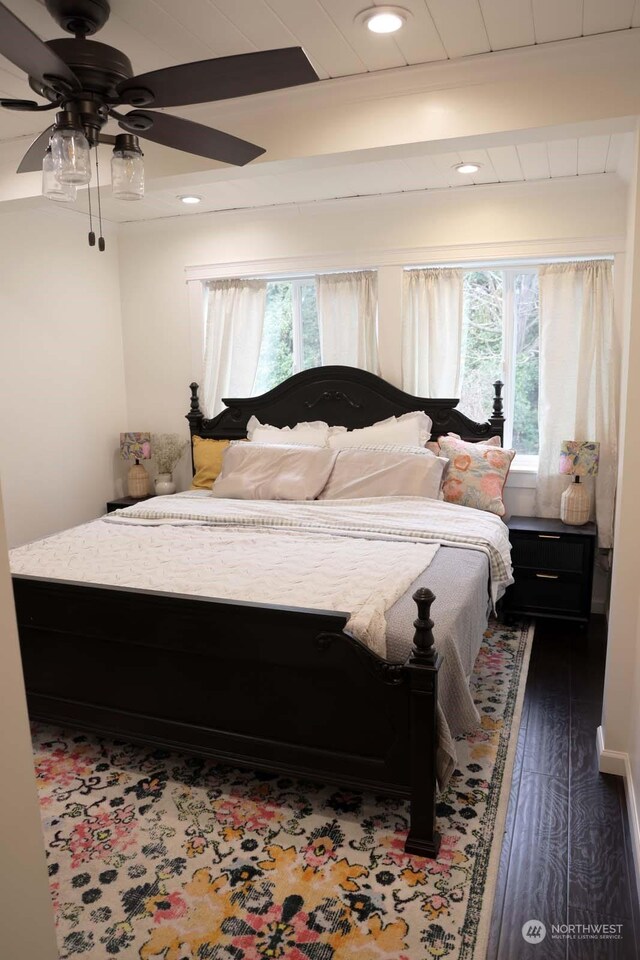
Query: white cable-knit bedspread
(356, 556)
(361, 577)
(401, 519)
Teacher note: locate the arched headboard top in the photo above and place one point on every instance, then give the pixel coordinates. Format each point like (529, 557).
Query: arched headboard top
(341, 396)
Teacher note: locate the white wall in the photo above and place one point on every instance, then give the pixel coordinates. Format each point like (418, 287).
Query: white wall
(573, 216)
(62, 401)
(26, 914)
(621, 713)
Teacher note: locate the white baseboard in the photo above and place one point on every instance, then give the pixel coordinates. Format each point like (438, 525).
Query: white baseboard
(611, 761)
(618, 763)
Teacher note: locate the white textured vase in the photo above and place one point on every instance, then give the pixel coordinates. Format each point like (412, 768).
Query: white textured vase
(164, 485)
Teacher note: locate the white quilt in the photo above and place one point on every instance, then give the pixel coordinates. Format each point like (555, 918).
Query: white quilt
(357, 576)
(402, 519)
(355, 556)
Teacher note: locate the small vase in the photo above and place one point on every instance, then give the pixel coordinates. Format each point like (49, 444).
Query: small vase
(164, 485)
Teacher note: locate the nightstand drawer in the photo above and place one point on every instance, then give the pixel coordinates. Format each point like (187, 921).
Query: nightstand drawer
(544, 592)
(548, 551)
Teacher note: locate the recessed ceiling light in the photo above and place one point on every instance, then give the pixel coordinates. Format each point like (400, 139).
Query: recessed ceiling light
(383, 19)
(190, 198)
(467, 167)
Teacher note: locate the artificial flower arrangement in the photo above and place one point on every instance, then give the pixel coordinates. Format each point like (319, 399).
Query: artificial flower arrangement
(167, 450)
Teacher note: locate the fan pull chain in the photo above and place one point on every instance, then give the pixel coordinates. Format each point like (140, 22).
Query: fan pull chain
(101, 243)
(92, 236)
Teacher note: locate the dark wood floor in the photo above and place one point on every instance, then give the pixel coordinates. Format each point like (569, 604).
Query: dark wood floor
(566, 856)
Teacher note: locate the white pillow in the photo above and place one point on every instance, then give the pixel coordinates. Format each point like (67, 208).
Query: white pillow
(314, 434)
(385, 472)
(259, 471)
(411, 429)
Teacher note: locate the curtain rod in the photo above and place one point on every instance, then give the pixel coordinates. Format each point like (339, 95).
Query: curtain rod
(286, 277)
(524, 262)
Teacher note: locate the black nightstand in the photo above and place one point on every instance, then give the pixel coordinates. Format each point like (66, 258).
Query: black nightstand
(123, 502)
(553, 568)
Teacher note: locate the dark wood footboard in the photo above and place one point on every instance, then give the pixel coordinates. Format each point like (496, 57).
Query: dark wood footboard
(269, 687)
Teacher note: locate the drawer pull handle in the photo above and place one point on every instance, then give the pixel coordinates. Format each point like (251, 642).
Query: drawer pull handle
(547, 576)
(548, 536)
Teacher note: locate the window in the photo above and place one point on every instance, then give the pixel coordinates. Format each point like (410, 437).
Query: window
(501, 341)
(291, 335)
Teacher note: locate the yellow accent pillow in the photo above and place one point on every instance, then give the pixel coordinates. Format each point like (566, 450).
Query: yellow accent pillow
(207, 458)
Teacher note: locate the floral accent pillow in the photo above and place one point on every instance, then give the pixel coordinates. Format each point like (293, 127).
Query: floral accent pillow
(476, 474)
(434, 445)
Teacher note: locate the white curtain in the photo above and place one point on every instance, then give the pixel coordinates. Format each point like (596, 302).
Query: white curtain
(348, 314)
(432, 307)
(233, 335)
(579, 381)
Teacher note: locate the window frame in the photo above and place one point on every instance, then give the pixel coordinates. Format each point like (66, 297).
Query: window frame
(525, 462)
(297, 284)
(297, 329)
(296, 317)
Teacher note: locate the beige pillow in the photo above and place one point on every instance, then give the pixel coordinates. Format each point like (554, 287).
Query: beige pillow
(362, 472)
(252, 471)
(411, 429)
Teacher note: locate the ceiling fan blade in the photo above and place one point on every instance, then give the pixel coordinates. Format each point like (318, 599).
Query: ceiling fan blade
(188, 136)
(24, 49)
(32, 160)
(30, 105)
(220, 79)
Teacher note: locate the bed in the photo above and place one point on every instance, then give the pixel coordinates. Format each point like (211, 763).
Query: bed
(288, 689)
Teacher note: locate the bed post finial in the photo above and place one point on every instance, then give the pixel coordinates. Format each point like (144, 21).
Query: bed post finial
(195, 403)
(195, 418)
(497, 419)
(195, 415)
(423, 666)
(423, 649)
(497, 400)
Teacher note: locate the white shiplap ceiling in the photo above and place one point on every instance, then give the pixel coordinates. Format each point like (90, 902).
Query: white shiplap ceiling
(400, 171)
(157, 33)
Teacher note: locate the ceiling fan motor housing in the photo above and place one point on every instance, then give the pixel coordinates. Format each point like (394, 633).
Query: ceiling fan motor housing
(98, 67)
(80, 17)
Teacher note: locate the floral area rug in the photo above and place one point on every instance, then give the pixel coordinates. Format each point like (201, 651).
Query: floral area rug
(152, 854)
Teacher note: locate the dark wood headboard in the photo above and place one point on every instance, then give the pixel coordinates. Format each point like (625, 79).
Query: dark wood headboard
(341, 396)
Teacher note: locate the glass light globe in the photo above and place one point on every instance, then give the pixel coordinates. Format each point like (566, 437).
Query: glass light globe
(127, 174)
(52, 189)
(71, 158)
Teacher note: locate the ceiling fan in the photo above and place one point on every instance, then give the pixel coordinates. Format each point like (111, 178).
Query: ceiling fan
(88, 82)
